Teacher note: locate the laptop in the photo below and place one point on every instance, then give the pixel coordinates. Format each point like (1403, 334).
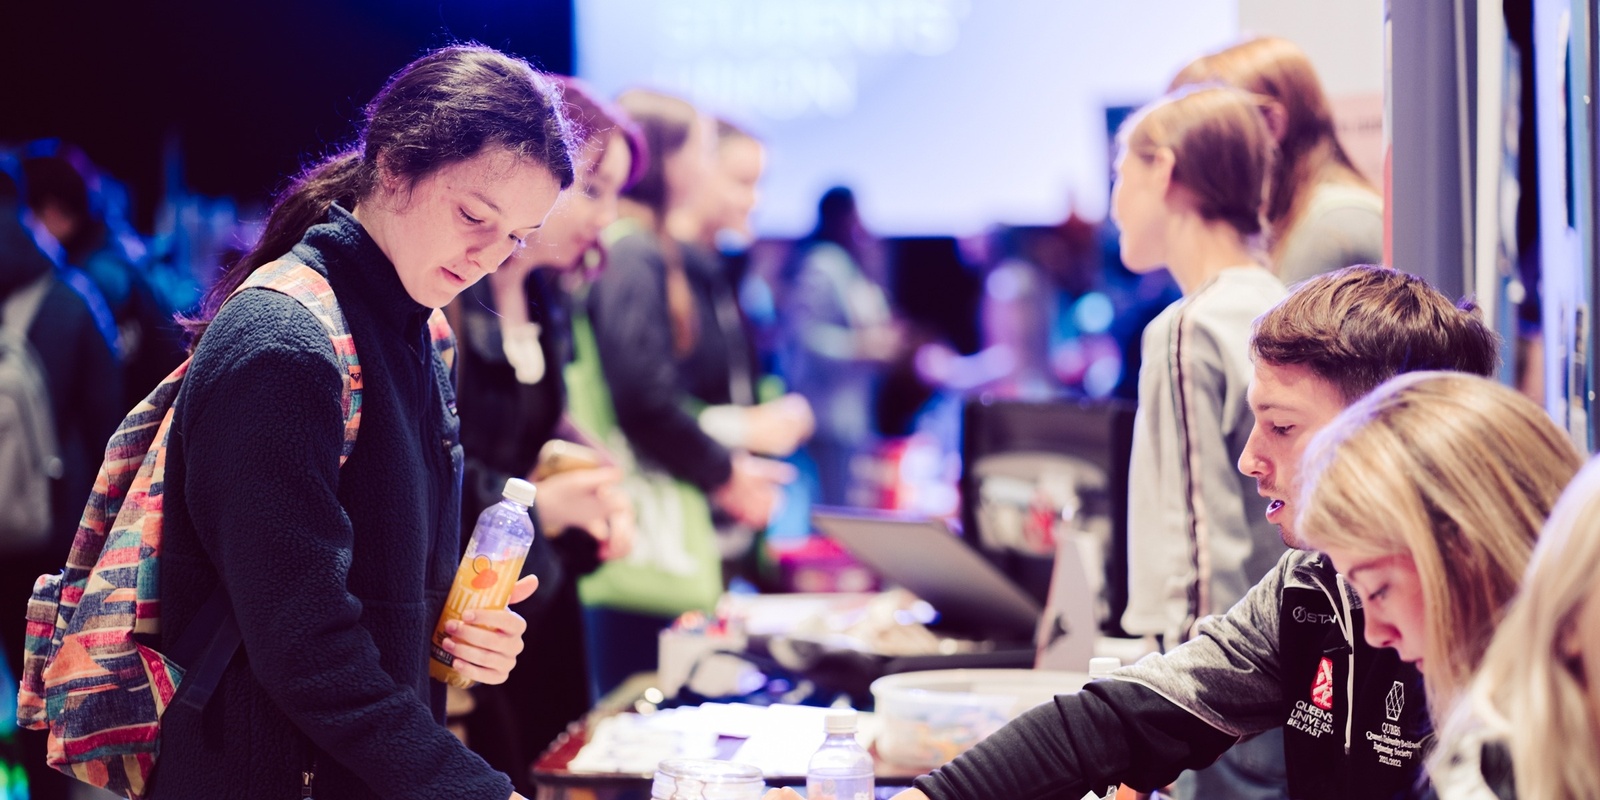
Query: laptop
(926, 557)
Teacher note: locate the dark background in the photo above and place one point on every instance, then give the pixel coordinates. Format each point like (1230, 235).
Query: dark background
(244, 92)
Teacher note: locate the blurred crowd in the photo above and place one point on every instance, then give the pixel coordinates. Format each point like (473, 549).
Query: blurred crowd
(683, 392)
(722, 384)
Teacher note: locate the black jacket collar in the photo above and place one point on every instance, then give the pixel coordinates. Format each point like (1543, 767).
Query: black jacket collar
(363, 270)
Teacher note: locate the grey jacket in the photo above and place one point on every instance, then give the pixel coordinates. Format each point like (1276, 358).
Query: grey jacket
(1291, 653)
(1198, 537)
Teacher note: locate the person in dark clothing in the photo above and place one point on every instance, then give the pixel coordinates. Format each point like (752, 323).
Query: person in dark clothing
(337, 574)
(733, 377)
(149, 342)
(646, 320)
(647, 329)
(516, 339)
(737, 405)
(839, 336)
(84, 385)
(724, 372)
(1292, 652)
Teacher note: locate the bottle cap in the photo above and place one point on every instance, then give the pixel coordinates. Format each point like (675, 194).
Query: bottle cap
(520, 492)
(843, 721)
(1103, 666)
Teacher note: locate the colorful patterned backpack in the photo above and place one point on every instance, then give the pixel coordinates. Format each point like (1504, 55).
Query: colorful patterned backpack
(90, 675)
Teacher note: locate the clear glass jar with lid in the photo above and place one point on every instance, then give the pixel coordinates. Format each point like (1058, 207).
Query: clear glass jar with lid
(706, 779)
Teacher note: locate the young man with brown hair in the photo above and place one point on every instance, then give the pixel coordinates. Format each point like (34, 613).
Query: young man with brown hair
(1292, 652)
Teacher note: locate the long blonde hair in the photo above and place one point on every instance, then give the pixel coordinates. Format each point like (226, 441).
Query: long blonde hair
(1311, 154)
(1458, 473)
(1530, 690)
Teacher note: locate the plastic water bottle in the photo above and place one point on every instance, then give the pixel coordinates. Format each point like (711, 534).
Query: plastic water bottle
(488, 571)
(1102, 667)
(841, 768)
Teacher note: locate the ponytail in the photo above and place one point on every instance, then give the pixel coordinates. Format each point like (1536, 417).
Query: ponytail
(343, 177)
(681, 309)
(1222, 149)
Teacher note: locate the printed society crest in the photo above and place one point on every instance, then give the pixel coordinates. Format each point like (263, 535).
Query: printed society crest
(1395, 702)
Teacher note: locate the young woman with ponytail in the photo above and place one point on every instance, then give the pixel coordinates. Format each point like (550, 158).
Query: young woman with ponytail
(1191, 178)
(336, 574)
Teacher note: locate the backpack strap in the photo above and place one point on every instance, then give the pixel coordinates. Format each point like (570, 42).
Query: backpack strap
(208, 655)
(206, 646)
(22, 305)
(314, 292)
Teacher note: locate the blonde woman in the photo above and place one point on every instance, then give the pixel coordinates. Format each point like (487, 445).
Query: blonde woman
(1536, 698)
(1427, 495)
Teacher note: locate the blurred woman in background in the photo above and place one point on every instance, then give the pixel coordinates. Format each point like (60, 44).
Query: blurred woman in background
(736, 404)
(649, 342)
(515, 342)
(1322, 214)
(743, 412)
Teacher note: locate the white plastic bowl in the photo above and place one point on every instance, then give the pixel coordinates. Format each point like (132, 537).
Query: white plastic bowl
(928, 718)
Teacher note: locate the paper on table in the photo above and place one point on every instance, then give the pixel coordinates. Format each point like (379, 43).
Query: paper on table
(629, 744)
(789, 735)
(778, 739)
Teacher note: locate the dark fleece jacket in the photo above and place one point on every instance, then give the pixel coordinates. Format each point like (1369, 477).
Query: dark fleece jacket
(336, 575)
(633, 330)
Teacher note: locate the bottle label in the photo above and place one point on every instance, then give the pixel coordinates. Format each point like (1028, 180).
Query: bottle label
(481, 582)
(839, 788)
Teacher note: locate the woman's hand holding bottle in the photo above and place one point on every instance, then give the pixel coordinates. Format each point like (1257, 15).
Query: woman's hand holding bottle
(486, 642)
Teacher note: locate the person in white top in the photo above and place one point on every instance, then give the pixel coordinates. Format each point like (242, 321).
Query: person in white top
(1191, 180)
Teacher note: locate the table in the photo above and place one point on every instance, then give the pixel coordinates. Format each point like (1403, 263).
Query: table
(556, 782)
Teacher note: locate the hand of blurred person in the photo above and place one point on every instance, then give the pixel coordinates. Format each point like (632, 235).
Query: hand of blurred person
(779, 427)
(938, 364)
(580, 498)
(885, 342)
(486, 642)
(751, 493)
(621, 526)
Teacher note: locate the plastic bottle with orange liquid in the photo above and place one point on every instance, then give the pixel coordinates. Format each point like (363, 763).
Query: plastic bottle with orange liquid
(488, 571)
